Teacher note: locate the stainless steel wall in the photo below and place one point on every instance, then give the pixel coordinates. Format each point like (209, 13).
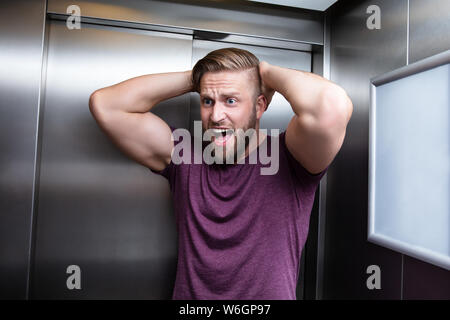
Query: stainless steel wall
(230, 17)
(98, 209)
(69, 196)
(21, 51)
(358, 54)
(429, 34)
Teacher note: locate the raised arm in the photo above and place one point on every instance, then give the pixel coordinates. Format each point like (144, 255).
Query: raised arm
(322, 110)
(121, 111)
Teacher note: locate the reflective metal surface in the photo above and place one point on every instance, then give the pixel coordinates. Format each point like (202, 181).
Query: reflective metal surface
(358, 54)
(321, 63)
(308, 4)
(429, 28)
(254, 41)
(232, 17)
(93, 207)
(429, 24)
(97, 208)
(21, 46)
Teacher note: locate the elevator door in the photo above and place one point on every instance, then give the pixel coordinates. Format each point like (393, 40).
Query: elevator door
(98, 210)
(279, 112)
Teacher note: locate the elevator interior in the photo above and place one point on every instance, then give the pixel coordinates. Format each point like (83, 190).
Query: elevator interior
(94, 208)
(71, 198)
(98, 209)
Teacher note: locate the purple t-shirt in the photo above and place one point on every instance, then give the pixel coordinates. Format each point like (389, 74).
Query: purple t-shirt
(240, 233)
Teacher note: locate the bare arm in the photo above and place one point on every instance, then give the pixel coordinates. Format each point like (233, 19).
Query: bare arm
(322, 110)
(121, 111)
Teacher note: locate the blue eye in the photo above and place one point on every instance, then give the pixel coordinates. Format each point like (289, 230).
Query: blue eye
(207, 101)
(231, 100)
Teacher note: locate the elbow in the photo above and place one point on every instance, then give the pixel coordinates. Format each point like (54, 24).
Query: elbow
(337, 104)
(95, 103)
(94, 100)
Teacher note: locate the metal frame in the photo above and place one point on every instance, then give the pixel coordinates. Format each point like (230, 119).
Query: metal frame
(244, 18)
(391, 243)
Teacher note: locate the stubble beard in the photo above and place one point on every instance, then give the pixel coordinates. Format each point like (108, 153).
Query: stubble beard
(231, 155)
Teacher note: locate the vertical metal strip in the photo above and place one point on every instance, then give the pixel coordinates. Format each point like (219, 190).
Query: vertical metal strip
(407, 63)
(407, 33)
(323, 183)
(37, 144)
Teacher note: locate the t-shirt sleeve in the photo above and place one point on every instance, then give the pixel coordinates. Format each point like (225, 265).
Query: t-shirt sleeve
(304, 176)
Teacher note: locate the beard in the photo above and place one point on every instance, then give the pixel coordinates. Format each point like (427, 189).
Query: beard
(232, 152)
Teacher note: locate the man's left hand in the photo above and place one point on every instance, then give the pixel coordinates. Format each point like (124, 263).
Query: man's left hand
(266, 90)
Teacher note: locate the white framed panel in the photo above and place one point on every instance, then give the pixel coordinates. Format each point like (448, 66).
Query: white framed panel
(409, 160)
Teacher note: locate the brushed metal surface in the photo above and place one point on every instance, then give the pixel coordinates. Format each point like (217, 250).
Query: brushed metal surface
(357, 55)
(21, 46)
(429, 24)
(317, 291)
(254, 41)
(232, 17)
(422, 280)
(320, 5)
(97, 208)
(429, 28)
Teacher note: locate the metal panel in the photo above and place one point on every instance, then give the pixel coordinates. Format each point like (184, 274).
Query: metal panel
(21, 46)
(232, 17)
(279, 113)
(358, 54)
(429, 24)
(308, 4)
(425, 281)
(315, 246)
(312, 254)
(254, 41)
(97, 208)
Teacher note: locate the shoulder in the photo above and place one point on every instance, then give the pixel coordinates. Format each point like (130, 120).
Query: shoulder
(296, 166)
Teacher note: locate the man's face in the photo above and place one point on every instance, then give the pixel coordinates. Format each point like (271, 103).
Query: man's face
(229, 101)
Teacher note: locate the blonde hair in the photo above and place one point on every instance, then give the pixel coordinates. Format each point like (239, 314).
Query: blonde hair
(227, 59)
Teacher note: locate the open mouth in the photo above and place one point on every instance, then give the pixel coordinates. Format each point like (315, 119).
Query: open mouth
(221, 136)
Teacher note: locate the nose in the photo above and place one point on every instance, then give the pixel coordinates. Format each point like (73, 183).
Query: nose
(218, 113)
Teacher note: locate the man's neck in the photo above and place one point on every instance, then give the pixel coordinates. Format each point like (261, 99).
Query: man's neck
(255, 141)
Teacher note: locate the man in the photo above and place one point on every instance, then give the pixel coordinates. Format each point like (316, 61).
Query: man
(241, 233)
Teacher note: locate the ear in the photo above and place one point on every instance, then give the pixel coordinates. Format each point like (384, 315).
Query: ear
(261, 105)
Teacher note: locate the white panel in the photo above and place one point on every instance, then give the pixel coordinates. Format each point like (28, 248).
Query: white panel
(411, 164)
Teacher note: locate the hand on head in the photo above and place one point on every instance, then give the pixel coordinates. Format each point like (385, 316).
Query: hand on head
(266, 90)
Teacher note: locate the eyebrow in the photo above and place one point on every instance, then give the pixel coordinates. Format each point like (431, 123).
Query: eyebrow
(225, 94)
